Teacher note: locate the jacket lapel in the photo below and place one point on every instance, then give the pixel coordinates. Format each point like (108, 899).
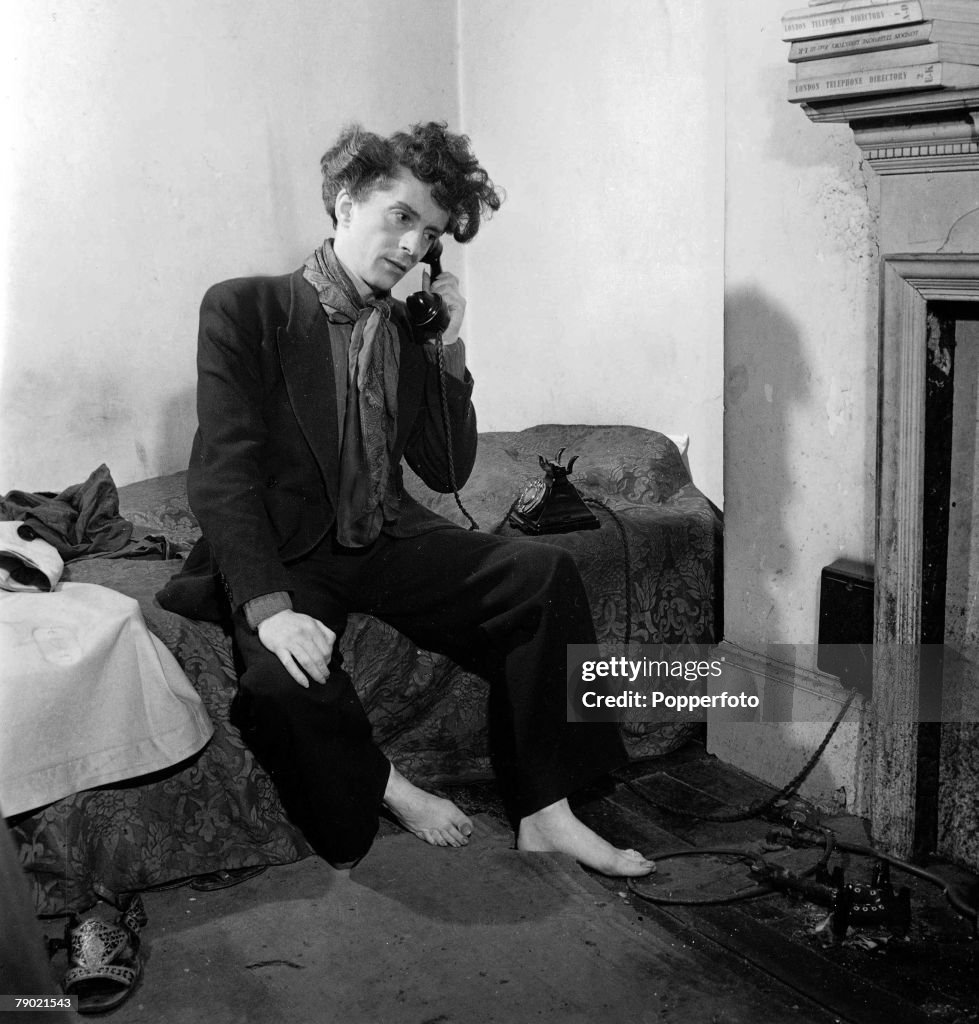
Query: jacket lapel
(307, 367)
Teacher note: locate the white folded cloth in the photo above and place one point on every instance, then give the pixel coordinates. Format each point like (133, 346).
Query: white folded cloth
(87, 695)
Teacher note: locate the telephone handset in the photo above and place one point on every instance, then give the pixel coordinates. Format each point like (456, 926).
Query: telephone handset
(429, 317)
(427, 313)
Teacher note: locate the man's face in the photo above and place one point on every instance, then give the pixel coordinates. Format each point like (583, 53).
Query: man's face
(380, 238)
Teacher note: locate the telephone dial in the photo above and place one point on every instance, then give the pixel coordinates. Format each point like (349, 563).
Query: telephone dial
(551, 504)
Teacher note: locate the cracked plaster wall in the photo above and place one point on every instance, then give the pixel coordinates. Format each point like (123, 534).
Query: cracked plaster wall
(603, 124)
(806, 224)
(156, 149)
(151, 150)
(801, 253)
(800, 345)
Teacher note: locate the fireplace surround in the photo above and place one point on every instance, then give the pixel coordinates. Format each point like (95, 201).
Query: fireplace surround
(924, 786)
(921, 295)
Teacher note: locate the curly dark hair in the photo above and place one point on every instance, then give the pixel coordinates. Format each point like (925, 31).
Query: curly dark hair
(361, 161)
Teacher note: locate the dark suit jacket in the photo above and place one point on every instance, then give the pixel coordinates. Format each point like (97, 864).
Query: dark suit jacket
(264, 469)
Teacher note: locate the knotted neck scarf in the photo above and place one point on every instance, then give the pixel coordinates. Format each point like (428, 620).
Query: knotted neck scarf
(367, 496)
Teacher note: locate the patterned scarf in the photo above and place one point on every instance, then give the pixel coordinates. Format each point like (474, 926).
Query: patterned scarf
(367, 496)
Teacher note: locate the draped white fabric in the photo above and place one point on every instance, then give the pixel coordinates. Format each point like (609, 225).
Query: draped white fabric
(87, 696)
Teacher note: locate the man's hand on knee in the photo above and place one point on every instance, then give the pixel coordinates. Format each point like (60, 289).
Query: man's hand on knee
(301, 643)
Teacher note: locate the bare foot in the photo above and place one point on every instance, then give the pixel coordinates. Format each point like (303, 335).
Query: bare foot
(555, 829)
(425, 815)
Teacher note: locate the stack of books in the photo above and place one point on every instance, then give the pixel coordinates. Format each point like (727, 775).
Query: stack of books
(855, 48)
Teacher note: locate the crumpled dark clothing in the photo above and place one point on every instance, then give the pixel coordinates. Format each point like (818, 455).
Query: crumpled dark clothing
(83, 521)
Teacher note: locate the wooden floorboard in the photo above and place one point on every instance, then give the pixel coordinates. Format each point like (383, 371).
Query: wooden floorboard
(847, 996)
(936, 967)
(929, 979)
(821, 983)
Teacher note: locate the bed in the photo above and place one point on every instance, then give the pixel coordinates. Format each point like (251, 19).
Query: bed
(658, 557)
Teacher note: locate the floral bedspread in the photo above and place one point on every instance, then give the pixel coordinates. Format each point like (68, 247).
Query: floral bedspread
(219, 810)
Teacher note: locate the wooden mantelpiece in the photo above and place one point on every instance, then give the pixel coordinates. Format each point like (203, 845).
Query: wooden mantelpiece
(925, 147)
(910, 133)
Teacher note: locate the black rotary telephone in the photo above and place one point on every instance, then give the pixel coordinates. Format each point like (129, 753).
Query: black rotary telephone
(427, 312)
(551, 504)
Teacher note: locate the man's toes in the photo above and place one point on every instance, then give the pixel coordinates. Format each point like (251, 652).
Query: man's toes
(452, 836)
(449, 835)
(647, 866)
(460, 833)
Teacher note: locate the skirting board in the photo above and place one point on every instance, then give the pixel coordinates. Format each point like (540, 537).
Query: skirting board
(798, 706)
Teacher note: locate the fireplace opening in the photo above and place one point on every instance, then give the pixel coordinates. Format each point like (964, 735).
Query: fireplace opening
(950, 556)
(925, 786)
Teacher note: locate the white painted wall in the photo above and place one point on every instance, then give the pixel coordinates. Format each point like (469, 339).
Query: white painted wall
(800, 344)
(159, 147)
(801, 266)
(595, 295)
(155, 148)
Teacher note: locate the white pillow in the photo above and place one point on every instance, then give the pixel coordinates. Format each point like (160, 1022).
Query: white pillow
(682, 441)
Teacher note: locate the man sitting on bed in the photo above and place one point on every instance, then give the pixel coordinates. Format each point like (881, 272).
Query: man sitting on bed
(311, 389)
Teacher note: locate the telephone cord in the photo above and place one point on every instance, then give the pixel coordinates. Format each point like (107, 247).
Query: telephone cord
(758, 863)
(444, 400)
(756, 809)
(787, 791)
(956, 895)
(627, 566)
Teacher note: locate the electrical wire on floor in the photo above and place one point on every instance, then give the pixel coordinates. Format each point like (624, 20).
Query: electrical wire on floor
(762, 807)
(774, 877)
(955, 898)
(758, 865)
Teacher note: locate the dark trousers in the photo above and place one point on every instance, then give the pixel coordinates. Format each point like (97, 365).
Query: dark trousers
(505, 607)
